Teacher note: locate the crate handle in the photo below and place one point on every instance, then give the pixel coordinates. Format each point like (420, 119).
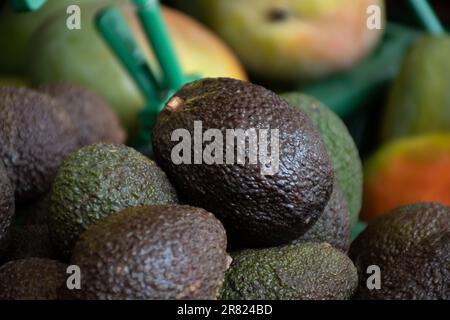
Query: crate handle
(26, 5)
(427, 16)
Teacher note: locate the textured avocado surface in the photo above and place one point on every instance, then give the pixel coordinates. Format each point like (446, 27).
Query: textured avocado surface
(411, 246)
(294, 272)
(419, 274)
(333, 226)
(6, 209)
(31, 279)
(256, 209)
(35, 137)
(153, 252)
(93, 118)
(340, 147)
(98, 180)
(28, 241)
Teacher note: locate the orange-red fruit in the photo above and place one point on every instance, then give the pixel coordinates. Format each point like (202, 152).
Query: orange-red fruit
(407, 171)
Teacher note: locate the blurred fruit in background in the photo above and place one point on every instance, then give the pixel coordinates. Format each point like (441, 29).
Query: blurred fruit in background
(12, 81)
(419, 101)
(94, 120)
(55, 53)
(407, 171)
(16, 30)
(291, 40)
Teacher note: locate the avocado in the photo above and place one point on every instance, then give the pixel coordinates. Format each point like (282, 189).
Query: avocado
(98, 180)
(400, 276)
(35, 137)
(294, 272)
(333, 225)
(257, 209)
(340, 146)
(410, 245)
(153, 252)
(28, 241)
(7, 209)
(93, 117)
(419, 101)
(31, 279)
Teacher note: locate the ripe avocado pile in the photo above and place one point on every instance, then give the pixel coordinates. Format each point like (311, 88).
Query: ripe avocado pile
(172, 228)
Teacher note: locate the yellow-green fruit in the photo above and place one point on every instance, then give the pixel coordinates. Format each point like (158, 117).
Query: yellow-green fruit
(419, 101)
(290, 40)
(82, 56)
(17, 28)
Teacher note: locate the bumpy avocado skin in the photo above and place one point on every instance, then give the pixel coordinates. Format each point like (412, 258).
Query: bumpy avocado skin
(411, 247)
(35, 137)
(333, 225)
(153, 252)
(295, 272)
(419, 274)
(28, 241)
(99, 180)
(256, 209)
(92, 116)
(340, 146)
(7, 209)
(31, 279)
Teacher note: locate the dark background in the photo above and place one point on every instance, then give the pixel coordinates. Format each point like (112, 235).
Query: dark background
(400, 11)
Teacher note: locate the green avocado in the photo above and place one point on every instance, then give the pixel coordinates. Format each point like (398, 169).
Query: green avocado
(411, 246)
(7, 209)
(419, 101)
(93, 117)
(97, 181)
(153, 252)
(340, 146)
(333, 226)
(257, 208)
(32, 279)
(35, 137)
(294, 272)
